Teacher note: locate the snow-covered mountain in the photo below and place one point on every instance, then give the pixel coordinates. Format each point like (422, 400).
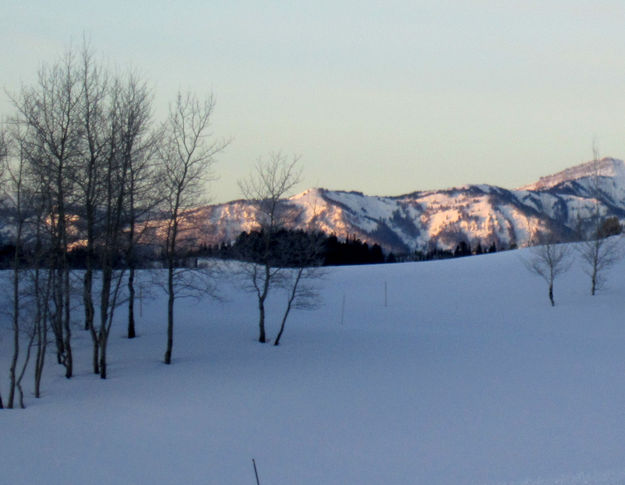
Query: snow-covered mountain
(560, 204)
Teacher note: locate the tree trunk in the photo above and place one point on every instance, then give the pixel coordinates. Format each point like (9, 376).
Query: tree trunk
(16, 338)
(90, 315)
(170, 311)
(24, 366)
(40, 357)
(261, 303)
(64, 283)
(87, 296)
(95, 358)
(594, 280)
(57, 318)
(282, 325)
(88, 278)
(69, 360)
(43, 312)
(289, 304)
(172, 237)
(130, 256)
(16, 299)
(107, 276)
(551, 294)
(103, 341)
(131, 303)
(95, 343)
(261, 323)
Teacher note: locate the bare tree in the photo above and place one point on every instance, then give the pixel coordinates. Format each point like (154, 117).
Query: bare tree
(92, 116)
(47, 111)
(41, 282)
(270, 183)
(24, 209)
(115, 120)
(128, 124)
(36, 262)
(549, 260)
(187, 154)
(16, 191)
(142, 181)
(598, 251)
(3, 158)
(114, 180)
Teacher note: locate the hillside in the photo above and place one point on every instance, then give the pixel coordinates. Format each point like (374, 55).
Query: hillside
(466, 376)
(483, 214)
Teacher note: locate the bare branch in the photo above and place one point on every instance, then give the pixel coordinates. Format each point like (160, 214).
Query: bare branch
(550, 260)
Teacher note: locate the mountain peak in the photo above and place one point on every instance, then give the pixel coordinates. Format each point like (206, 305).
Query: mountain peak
(606, 167)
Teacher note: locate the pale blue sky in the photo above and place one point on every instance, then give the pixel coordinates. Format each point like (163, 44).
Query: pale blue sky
(385, 97)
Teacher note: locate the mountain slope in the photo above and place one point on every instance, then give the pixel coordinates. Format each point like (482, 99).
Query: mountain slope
(559, 204)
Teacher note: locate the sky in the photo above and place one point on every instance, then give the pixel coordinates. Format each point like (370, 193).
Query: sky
(384, 97)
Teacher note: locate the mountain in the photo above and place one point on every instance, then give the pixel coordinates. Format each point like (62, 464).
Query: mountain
(607, 168)
(562, 204)
(558, 204)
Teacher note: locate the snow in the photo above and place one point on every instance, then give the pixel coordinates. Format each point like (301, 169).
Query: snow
(465, 376)
(422, 220)
(606, 167)
(367, 211)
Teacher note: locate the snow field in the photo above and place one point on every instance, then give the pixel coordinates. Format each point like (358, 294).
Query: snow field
(467, 376)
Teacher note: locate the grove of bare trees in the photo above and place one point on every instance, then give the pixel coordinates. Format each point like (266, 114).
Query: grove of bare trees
(85, 168)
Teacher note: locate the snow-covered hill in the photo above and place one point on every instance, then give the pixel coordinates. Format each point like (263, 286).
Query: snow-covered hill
(463, 375)
(483, 214)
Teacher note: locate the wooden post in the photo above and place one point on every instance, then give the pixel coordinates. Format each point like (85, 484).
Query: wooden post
(385, 294)
(343, 310)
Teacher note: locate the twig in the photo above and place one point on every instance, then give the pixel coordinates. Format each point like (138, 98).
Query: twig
(255, 472)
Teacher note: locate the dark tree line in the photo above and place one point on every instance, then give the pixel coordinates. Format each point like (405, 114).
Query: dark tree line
(281, 249)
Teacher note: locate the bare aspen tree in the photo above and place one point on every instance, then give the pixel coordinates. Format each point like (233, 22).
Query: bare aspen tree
(16, 193)
(187, 154)
(33, 259)
(270, 183)
(128, 120)
(598, 251)
(41, 282)
(23, 203)
(3, 158)
(115, 117)
(47, 111)
(549, 260)
(113, 181)
(90, 169)
(142, 181)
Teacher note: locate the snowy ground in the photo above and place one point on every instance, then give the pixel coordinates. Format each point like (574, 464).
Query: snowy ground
(467, 376)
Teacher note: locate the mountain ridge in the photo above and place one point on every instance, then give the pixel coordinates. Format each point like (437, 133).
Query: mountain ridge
(560, 204)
